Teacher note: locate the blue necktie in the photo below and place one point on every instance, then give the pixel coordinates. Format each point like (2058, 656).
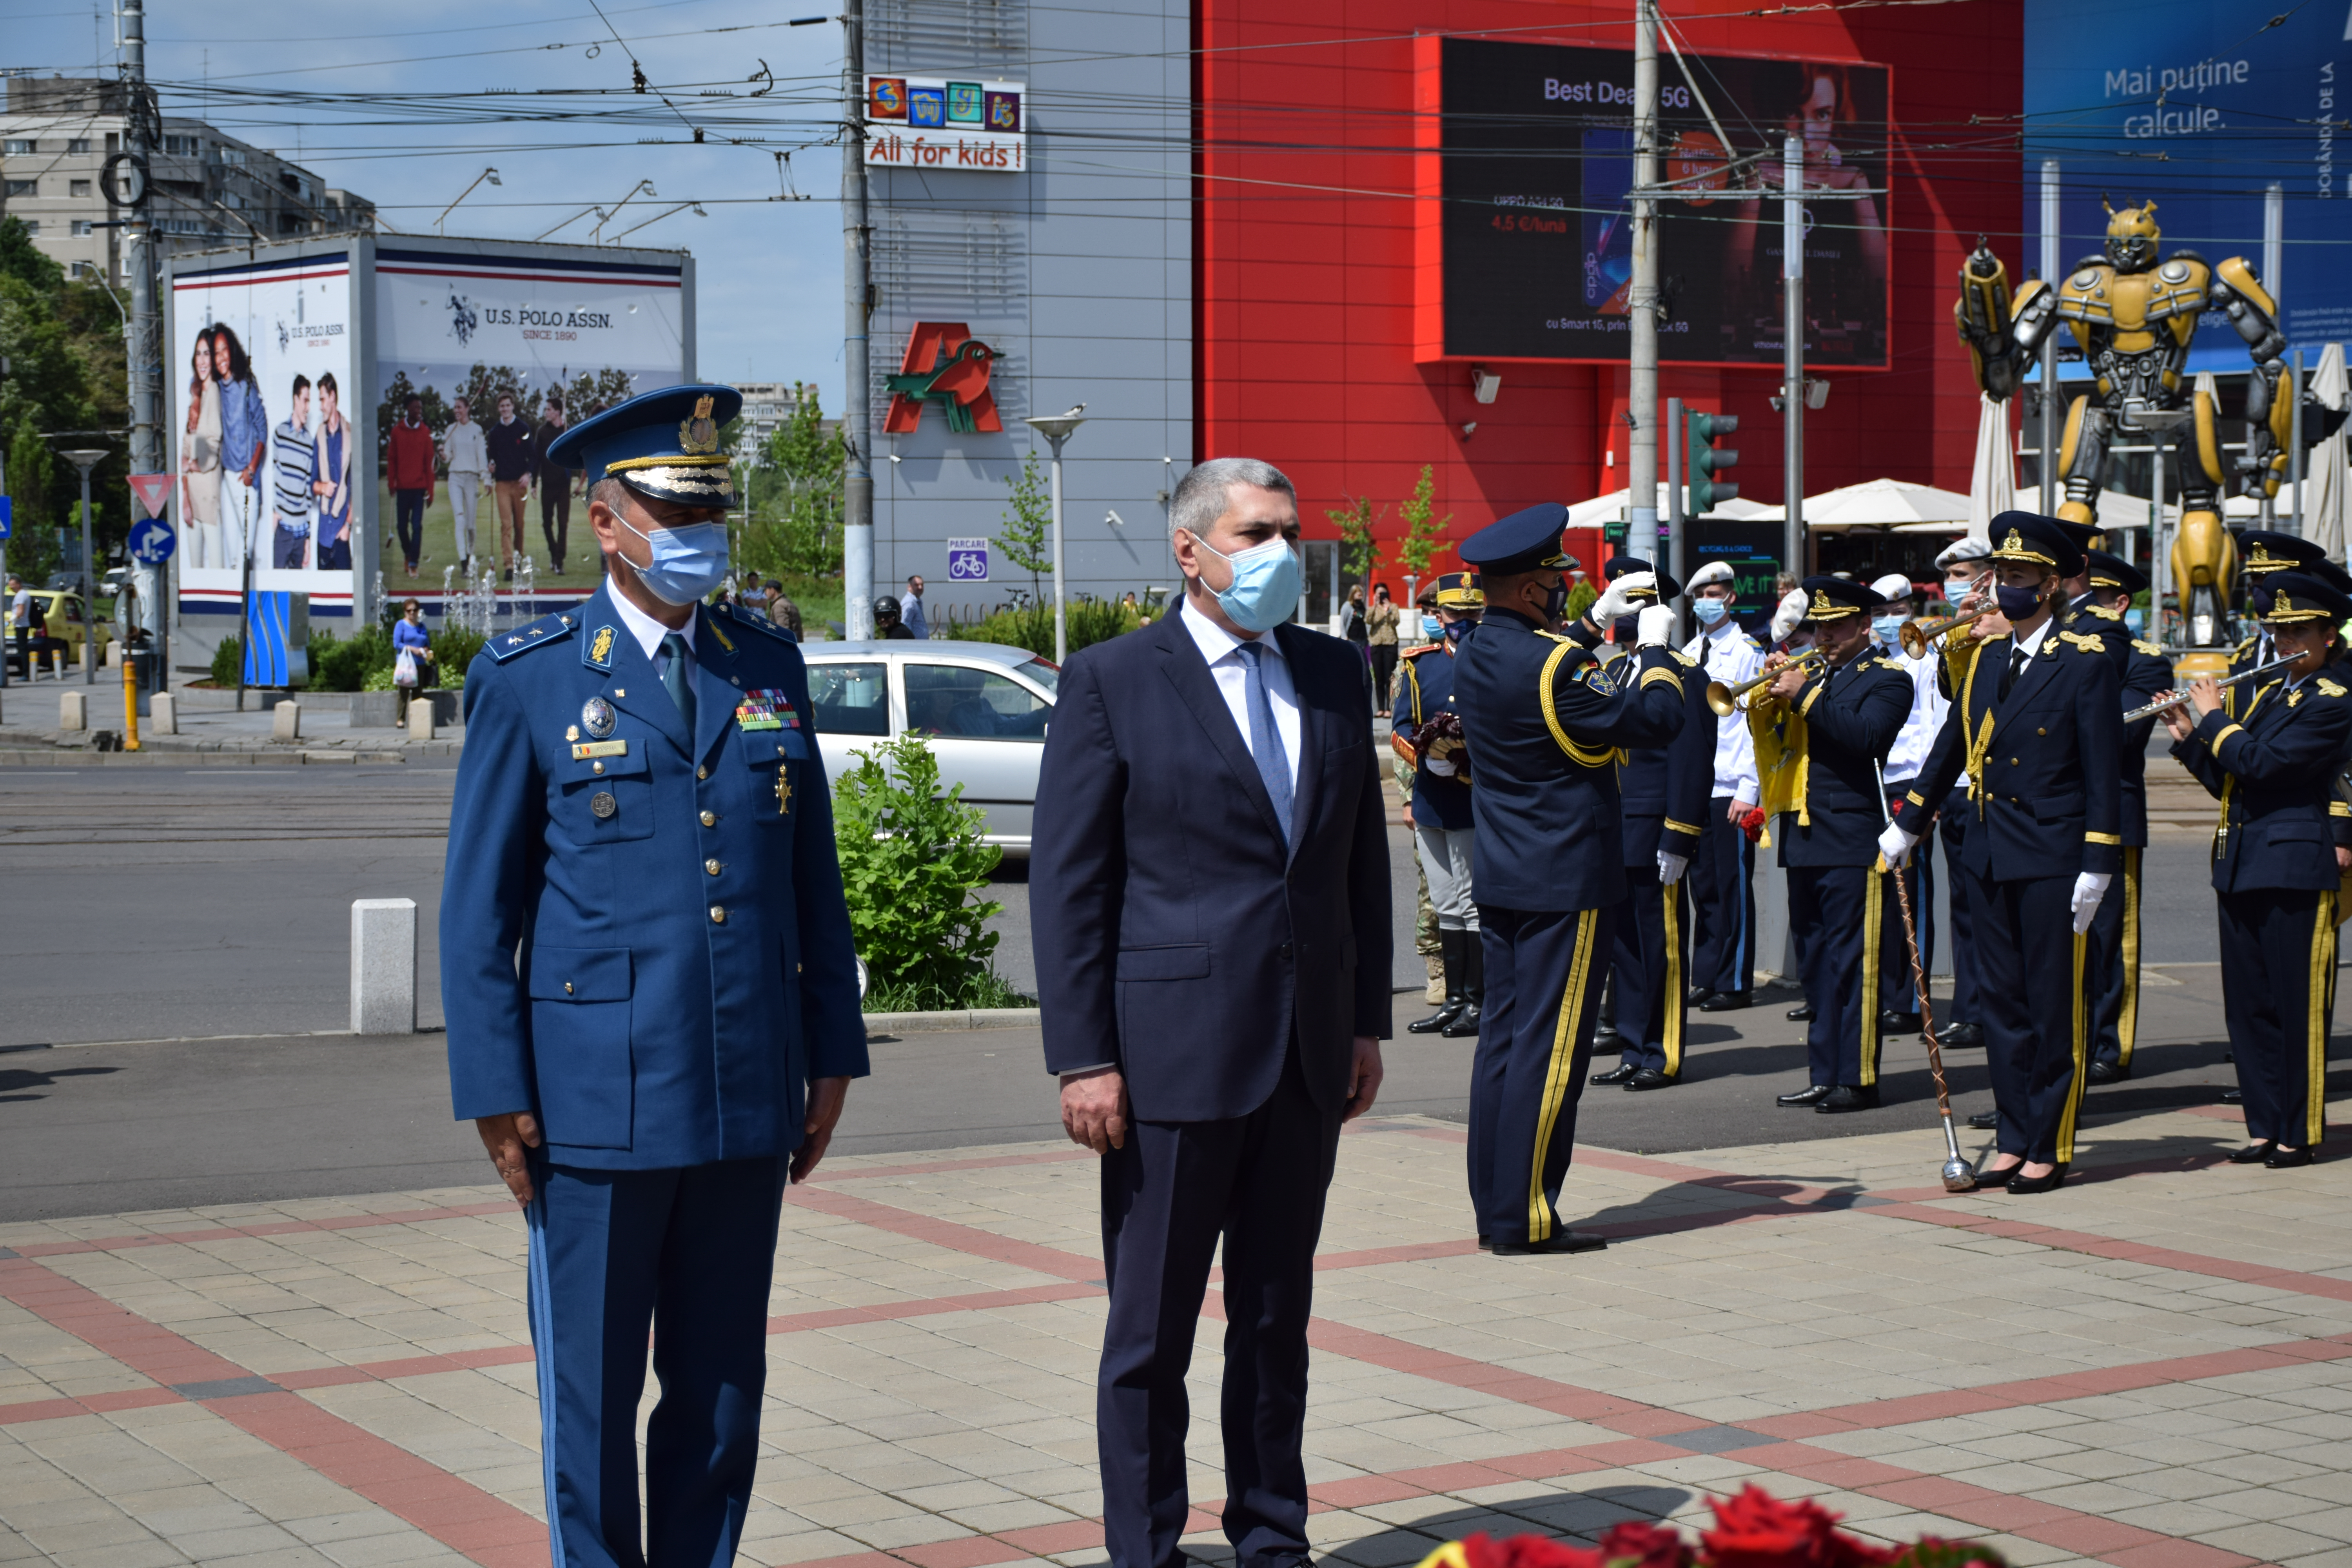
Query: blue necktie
(1264, 739)
(673, 677)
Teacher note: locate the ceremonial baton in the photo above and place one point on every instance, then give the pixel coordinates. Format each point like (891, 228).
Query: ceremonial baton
(1959, 1176)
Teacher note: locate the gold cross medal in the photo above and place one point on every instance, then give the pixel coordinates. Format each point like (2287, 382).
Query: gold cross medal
(783, 790)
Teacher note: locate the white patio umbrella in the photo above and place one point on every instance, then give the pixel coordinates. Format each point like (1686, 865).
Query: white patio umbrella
(1992, 478)
(2330, 466)
(1880, 503)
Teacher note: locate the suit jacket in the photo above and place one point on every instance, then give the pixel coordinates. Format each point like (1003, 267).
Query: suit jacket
(1665, 789)
(2044, 763)
(2274, 770)
(1176, 934)
(1852, 715)
(640, 947)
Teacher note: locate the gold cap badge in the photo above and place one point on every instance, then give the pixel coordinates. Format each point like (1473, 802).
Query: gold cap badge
(700, 434)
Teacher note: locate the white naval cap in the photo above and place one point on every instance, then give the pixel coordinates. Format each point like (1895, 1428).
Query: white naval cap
(1963, 550)
(1712, 572)
(1894, 585)
(1790, 614)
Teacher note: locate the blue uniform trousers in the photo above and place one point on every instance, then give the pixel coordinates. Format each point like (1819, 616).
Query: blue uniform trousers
(1896, 989)
(1838, 915)
(1953, 830)
(2115, 938)
(1722, 882)
(2278, 993)
(688, 1255)
(1258, 1181)
(2032, 971)
(1648, 966)
(1535, 1039)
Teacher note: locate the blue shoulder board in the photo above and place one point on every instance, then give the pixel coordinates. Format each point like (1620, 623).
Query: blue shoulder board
(735, 616)
(504, 646)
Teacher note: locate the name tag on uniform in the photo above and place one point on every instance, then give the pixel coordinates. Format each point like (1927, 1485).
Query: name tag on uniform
(583, 750)
(767, 708)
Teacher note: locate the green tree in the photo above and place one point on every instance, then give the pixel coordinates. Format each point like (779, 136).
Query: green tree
(1027, 523)
(795, 531)
(63, 343)
(1360, 549)
(1421, 532)
(911, 858)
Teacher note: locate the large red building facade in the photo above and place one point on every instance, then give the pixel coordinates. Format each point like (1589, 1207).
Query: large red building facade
(1317, 277)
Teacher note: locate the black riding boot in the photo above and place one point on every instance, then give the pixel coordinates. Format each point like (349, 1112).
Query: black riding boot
(1473, 987)
(1457, 964)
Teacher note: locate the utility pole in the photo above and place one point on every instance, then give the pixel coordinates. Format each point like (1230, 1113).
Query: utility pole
(1677, 547)
(146, 337)
(2053, 274)
(856, 269)
(1642, 383)
(1793, 351)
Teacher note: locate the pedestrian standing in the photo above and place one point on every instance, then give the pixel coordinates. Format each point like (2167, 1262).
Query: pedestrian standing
(408, 470)
(910, 609)
(20, 623)
(1380, 629)
(468, 457)
(1723, 873)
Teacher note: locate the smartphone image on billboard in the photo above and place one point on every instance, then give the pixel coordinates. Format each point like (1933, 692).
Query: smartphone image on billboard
(1607, 218)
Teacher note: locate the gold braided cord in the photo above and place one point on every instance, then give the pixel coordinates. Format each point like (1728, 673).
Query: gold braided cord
(1585, 756)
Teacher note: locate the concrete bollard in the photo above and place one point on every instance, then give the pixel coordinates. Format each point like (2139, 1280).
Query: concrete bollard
(73, 711)
(163, 713)
(113, 654)
(286, 722)
(383, 966)
(420, 718)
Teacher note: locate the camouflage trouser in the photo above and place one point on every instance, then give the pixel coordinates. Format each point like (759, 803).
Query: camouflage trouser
(1424, 916)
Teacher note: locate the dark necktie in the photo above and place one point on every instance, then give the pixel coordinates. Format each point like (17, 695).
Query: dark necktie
(1264, 738)
(2016, 667)
(673, 677)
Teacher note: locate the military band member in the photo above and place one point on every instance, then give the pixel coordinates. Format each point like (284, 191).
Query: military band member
(2036, 723)
(1898, 988)
(1400, 768)
(1722, 878)
(1967, 566)
(2278, 858)
(2262, 552)
(652, 997)
(1442, 825)
(1823, 731)
(1791, 634)
(1545, 724)
(2114, 935)
(1661, 789)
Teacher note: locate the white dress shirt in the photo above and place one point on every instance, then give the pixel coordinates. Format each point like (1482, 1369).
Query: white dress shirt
(1221, 649)
(649, 633)
(1725, 653)
(1928, 706)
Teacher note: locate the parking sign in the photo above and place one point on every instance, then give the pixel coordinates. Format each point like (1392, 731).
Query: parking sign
(967, 560)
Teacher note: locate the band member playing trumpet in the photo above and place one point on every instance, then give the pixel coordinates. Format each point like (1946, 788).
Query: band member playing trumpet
(2279, 854)
(1967, 566)
(2035, 720)
(1821, 738)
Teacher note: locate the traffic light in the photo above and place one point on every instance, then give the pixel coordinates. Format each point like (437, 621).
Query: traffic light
(1707, 460)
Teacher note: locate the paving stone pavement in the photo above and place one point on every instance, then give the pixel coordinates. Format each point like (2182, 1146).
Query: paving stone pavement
(2152, 1369)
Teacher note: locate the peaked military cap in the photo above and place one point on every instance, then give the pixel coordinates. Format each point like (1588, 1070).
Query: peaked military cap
(2286, 596)
(2261, 550)
(1618, 566)
(2039, 541)
(660, 444)
(2113, 571)
(1525, 541)
(1457, 591)
(1835, 598)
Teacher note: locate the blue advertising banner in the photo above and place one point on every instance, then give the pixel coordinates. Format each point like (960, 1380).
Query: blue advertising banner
(2199, 107)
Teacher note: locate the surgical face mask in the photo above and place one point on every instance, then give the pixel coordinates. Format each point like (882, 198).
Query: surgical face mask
(1886, 627)
(1958, 588)
(1266, 581)
(688, 561)
(1431, 628)
(1709, 611)
(2018, 603)
(1456, 630)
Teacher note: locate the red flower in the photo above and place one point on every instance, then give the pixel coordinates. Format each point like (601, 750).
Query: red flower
(1638, 1543)
(1755, 1530)
(1525, 1551)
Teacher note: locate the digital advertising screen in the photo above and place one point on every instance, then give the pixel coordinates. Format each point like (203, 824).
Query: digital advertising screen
(1536, 155)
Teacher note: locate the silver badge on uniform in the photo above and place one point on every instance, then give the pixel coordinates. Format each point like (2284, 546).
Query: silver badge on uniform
(603, 804)
(596, 717)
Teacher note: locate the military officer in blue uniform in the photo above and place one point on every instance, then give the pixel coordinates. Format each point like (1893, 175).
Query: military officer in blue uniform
(2036, 721)
(2278, 858)
(1545, 726)
(1839, 719)
(652, 996)
(2260, 551)
(1663, 794)
(1440, 801)
(2114, 933)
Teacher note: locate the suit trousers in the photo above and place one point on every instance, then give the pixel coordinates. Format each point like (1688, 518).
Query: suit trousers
(1259, 1181)
(1838, 915)
(1953, 829)
(1647, 963)
(2114, 935)
(686, 1253)
(1722, 883)
(2031, 970)
(1535, 1038)
(2278, 993)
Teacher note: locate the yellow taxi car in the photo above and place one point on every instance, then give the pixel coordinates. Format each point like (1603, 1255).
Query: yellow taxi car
(59, 627)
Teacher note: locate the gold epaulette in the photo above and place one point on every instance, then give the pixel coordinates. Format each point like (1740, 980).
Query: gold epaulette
(1686, 660)
(2328, 687)
(2104, 613)
(2082, 641)
(2147, 648)
(1423, 648)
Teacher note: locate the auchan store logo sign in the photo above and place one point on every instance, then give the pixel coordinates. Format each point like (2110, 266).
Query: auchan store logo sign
(939, 123)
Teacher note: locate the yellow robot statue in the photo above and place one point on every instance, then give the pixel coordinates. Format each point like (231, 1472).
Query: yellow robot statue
(2133, 317)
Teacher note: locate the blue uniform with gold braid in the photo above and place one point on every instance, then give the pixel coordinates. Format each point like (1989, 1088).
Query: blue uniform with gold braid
(643, 943)
(1544, 724)
(2274, 766)
(2114, 932)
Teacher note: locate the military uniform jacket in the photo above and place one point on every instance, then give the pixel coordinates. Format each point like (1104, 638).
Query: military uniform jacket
(642, 936)
(2148, 674)
(2086, 618)
(1665, 790)
(2273, 771)
(1545, 723)
(1852, 715)
(2044, 764)
(1424, 688)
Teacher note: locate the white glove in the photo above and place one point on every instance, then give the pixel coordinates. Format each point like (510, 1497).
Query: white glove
(1657, 624)
(1617, 600)
(2090, 887)
(1895, 843)
(1789, 616)
(1671, 866)
(1441, 767)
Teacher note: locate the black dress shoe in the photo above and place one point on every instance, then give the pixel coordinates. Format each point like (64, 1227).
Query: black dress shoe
(2287, 1159)
(1622, 1073)
(1438, 1020)
(1961, 1036)
(1465, 1025)
(1804, 1097)
(1849, 1097)
(1899, 1023)
(1804, 1015)
(2025, 1186)
(2254, 1154)
(2232, 1097)
(1697, 995)
(1725, 1002)
(1985, 1121)
(1651, 1077)
(1605, 1035)
(1560, 1241)
(1992, 1176)
(2109, 1072)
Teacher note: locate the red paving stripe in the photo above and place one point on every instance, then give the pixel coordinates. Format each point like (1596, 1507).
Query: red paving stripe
(248, 1232)
(971, 1239)
(933, 1167)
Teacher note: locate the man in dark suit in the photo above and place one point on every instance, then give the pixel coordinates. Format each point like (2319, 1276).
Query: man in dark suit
(1210, 906)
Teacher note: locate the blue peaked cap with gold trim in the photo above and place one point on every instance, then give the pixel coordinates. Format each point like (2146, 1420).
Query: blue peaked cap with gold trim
(660, 444)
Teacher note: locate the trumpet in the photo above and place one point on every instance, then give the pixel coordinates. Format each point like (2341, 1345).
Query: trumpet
(1725, 700)
(2175, 698)
(1917, 634)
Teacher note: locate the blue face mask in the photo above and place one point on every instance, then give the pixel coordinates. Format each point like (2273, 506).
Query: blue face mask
(1709, 611)
(2018, 603)
(1886, 628)
(1266, 581)
(1456, 630)
(687, 561)
(1431, 628)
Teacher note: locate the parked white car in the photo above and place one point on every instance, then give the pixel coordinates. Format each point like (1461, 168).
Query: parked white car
(981, 707)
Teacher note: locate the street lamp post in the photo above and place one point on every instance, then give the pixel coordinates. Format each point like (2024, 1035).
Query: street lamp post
(1056, 429)
(84, 459)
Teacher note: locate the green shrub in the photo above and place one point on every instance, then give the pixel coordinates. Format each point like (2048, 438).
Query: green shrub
(911, 857)
(1581, 596)
(339, 665)
(228, 661)
(453, 650)
(1090, 621)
